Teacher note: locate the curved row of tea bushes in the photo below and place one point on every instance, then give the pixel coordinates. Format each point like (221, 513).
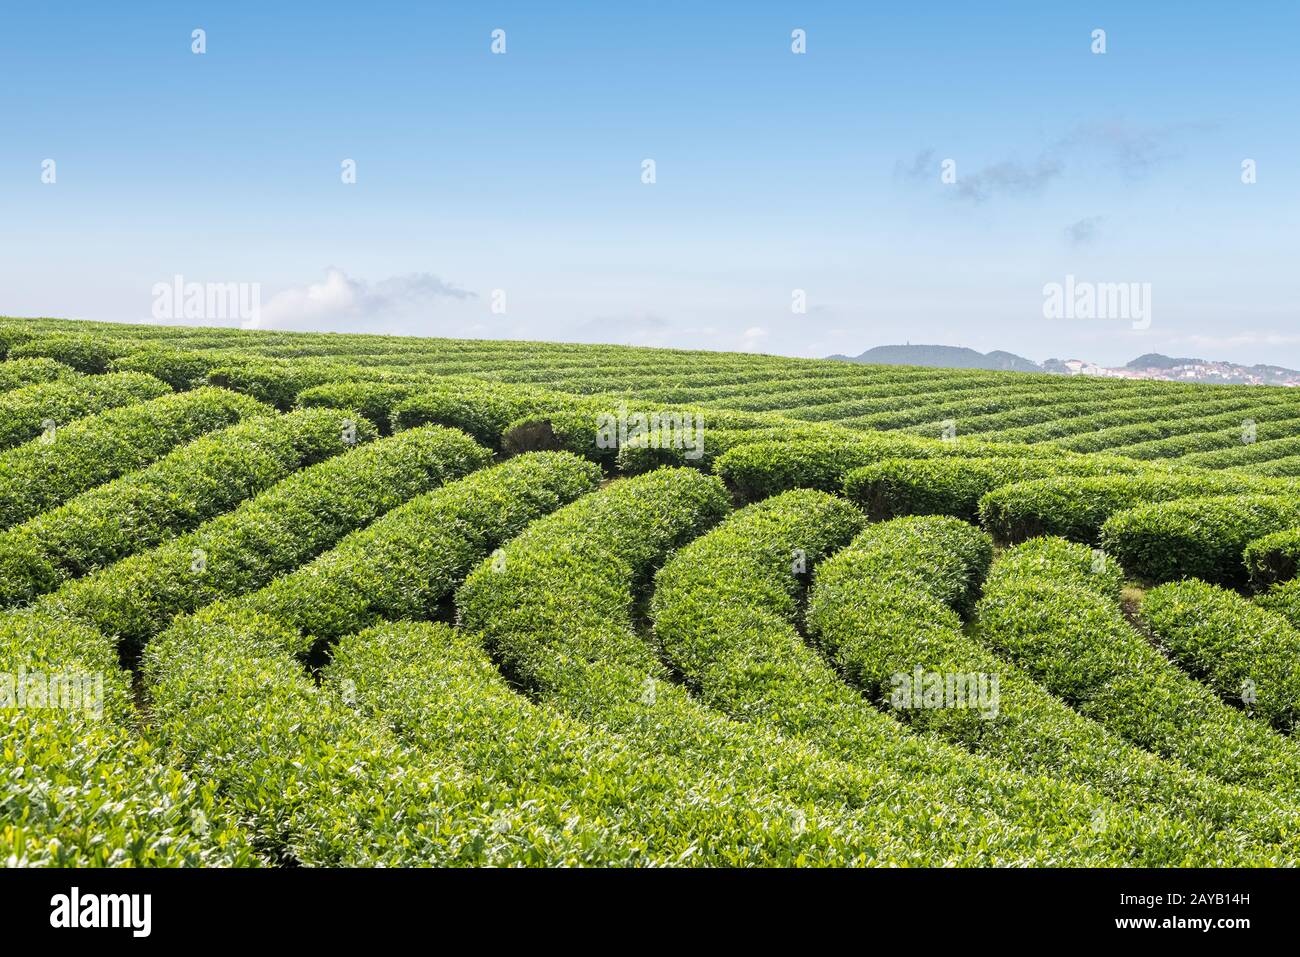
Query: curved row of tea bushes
(1077, 507)
(321, 783)
(876, 610)
(29, 412)
(1076, 433)
(724, 610)
(407, 561)
(1195, 537)
(12, 335)
(989, 422)
(1077, 643)
(1246, 653)
(482, 409)
(186, 487)
(84, 352)
(951, 486)
(436, 689)
(181, 369)
(43, 474)
(374, 400)
(555, 608)
(1221, 432)
(1288, 466)
(78, 786)
(758, 470)
(1178, 422)
(270, 534)
(280, 382)
(1065, 561)
(1241, 455)
(610, 429)
(925, 417)
(1272, 558)
(17, 373)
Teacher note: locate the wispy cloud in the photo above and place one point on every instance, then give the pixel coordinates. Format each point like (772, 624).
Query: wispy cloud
(920, 167)
(1010, 178)
(1136, 151)
(1083, 231)
(340, 302)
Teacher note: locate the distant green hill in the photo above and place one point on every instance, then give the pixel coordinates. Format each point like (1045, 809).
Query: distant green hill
(947, 357)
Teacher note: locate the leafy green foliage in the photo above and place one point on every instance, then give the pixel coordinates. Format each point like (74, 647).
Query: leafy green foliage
(29, 412)
(194, 483)
(1248, 654)
(1195, 537)
(91, 451)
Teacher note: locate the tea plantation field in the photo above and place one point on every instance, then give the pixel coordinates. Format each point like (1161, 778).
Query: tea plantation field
(280, 599)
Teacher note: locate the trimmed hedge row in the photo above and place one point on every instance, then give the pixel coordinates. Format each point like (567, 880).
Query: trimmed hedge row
(188, 486)
(482, 409)
(1077, 643)
(1195, 537)
(10, 336)
(374, 400)
(407, 561)
(17, 373)
(878, 613)
(724, 610)
(1272, 558)
(436, 690)
(1076, 507)
(762, 469)
(87, 353)
(555, 608)
(266, 536)
(25, 413)
(78, 786)
(97, 449)
(897, 487)
(1228, 641)
(280, 382)
(1244, 454)
(1066, 563)
(181, 369)
(318, 782)
(1181, 425)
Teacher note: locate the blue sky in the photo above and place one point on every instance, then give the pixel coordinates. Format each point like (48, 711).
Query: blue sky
(775, 171)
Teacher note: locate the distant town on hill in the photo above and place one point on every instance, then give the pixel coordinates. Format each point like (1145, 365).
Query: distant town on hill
(1152, 365)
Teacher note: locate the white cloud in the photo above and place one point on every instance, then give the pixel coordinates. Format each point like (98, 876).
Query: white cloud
(340, 303)
(751, 340)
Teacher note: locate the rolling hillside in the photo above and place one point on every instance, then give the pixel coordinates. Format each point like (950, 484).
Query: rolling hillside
(274, 599)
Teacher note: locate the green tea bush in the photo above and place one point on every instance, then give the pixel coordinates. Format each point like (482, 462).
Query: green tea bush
(1272, 558)
(94, 450)
(1195, 537)
(555, 606)
(186, 487)
(880, 623)
(181, 369)
(1077, 507)
(724, 610)
(85, 353)
(266, 536)
(952, 486)
(332, 799)
(1062, 562)
(28, 412)
(78, 786)
(18, 373)
(1076, 642)
(1248, 654)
